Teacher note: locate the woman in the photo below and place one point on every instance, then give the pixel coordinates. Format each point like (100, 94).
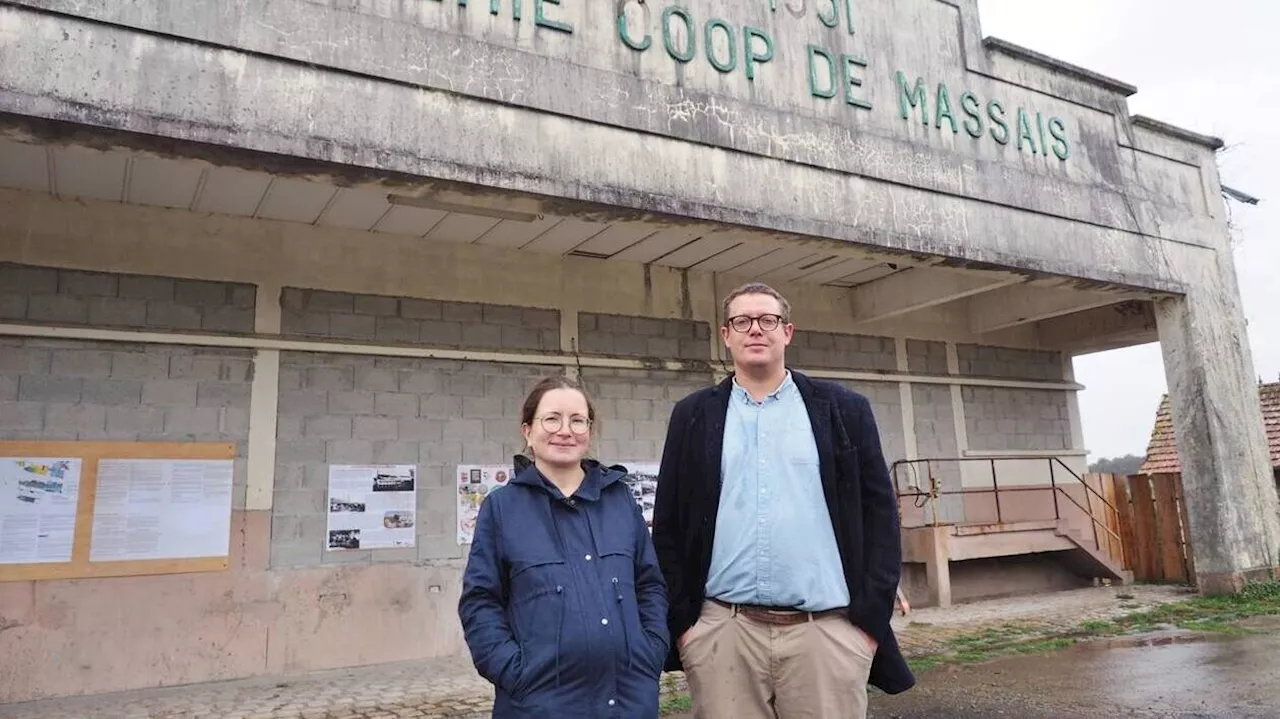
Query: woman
(563, 606)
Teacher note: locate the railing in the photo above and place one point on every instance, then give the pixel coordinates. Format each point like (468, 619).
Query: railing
(922, 498)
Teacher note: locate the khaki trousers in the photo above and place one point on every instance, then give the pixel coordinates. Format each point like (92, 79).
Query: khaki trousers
(739, 668)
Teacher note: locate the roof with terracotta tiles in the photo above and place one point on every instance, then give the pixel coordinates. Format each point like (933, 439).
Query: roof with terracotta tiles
(1162, 454)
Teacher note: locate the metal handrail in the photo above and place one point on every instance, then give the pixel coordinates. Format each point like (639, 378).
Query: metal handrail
(1054, 488)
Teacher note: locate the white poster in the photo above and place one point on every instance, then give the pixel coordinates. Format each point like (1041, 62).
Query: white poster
(642, 477)
(475, 482)
(162, 509)
(38, 500)
(372, 506)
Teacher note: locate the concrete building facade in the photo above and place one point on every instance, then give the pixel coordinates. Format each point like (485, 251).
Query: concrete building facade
(357, 232)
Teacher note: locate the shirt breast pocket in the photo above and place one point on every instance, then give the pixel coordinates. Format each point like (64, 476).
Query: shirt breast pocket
(799, 447)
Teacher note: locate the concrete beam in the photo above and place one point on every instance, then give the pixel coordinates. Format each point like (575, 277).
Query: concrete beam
(918, 289)
(1103, 328)
(1012, 306)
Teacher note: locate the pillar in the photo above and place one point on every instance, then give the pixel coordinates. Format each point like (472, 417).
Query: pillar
(1232, 507)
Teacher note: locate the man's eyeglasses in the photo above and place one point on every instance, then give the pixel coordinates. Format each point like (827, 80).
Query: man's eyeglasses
(553, 423)
(742, 323)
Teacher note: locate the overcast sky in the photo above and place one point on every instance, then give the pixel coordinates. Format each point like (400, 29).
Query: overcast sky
(1209, 67)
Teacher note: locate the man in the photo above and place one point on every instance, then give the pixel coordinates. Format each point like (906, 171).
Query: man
(776, 527)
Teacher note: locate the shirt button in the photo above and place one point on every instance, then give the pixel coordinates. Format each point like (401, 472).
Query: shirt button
(604, 621)
(612, 702)
(588, 557)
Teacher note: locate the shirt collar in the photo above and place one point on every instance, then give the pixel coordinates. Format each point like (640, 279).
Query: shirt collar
(742, 395)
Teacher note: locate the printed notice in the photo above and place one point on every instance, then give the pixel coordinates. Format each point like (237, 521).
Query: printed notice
(161, 509)
(372, 506)
(38, 499)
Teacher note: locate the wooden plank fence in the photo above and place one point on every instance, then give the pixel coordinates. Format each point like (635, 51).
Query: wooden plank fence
(1153, 527)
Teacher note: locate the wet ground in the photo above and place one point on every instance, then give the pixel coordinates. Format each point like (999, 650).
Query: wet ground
(1173, 674)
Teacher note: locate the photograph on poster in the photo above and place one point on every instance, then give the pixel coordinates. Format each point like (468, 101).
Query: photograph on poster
(372, 506)
(475, 482)
(642, 478)
(38, 499)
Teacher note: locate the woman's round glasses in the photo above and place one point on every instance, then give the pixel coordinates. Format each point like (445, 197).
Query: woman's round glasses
(742, 323)
(552, 423)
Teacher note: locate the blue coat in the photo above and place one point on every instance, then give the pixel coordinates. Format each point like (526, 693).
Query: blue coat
(563, 606)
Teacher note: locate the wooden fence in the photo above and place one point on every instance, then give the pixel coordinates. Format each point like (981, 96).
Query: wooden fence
(1152, 519)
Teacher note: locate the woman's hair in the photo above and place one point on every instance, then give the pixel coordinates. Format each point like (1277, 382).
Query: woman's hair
(531, 402)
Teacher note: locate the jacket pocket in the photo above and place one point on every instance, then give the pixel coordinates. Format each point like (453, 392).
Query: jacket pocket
(536, 611)
(619, 567)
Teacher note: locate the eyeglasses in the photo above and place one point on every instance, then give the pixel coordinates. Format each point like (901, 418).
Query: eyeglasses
(552, 423)
(742, 323)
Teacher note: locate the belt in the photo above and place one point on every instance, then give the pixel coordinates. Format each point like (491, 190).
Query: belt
(777, 615)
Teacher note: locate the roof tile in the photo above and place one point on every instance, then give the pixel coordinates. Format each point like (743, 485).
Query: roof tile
(1162, 452)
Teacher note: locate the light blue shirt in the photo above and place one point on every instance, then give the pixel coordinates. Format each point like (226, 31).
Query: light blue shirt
(774, 544)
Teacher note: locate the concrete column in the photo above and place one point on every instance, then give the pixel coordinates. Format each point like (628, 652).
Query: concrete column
(1232, 508)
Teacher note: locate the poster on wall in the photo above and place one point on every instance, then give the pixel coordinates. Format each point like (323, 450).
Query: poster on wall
(161, 509)
(372, 506)
(642, 478)
(475, 482)
(38, 498)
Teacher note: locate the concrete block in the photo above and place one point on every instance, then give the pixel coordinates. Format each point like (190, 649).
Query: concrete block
(440, 406)
(374, 379)
(465, 385)
(87, 284)
(292, 298)
(12, 307)
(201, 293)
(21, 416)
(81, 363)
(61, 309)
(411, 429)
(436, 332)
(227, 319)
(483, 408)
(483, 453)
(502, 315)
(28, 280)
(349, 451)
(501, 430)
(325, 427)
(664, 347)
(634, 409)
(695, 349)
(351, 403)
(375, 429)
(515, 337)
(298, 503)
(222, 394)
(296, 322)
(288, 427)
(540, 319)
(193, 422)
(421, 309)
(145, 288)
(419, 382)
(78, 418)
(595, 343)
(631, 345)
(300, 402)
(301, 450)
(375, 305)
(397, 329)
(356, 327)
(395, 404)
(463, 429)
(395, 452)
(111, 392)
(328, 379)
(296, 554)
(38, 388)
(482, 336)
(634, 450)
(244, 296)
(320, 301)
(134, 420)
(290, 378)
(167, 315)
(651, 430)
(139, 365)
(169, 393)
(464, 312)
(116, 312)
(444, 453)
(8, 388)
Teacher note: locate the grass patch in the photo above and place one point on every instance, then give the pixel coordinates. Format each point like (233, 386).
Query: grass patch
(1218, 615)
(675, 704)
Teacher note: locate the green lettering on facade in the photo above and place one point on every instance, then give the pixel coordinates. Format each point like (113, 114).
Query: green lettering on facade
(540, 18)
(495, 6)
(815, 53)
(625, 35)
(995, 111)
(691, 46)
(909, 99)
(749, 35)
(972, 108)
(848, 15)
(1058, 130)
(853, 80)
(943, 105)
(832, 19)
(730, 38)
(1024, 131)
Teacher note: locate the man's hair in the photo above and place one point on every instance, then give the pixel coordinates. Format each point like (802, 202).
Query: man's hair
(756, 288)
